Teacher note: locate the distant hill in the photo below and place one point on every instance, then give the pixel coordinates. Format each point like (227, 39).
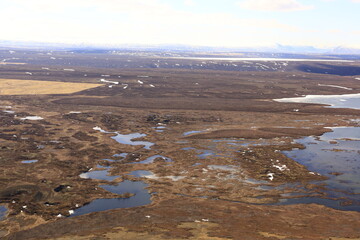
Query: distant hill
(279, 48)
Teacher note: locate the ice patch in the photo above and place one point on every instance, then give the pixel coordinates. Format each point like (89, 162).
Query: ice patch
(98, 129)
(334, 86)
(29, 161)
(222, 168)
(107, 81)
(151, 159)
(281, 167)
(336, 101)
(32, 118)
(271, 176)
(9, 111)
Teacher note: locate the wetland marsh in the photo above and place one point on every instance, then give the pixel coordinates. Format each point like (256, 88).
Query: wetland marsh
(187, 143)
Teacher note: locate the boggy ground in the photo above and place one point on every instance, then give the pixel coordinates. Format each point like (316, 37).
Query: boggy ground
(215, 186)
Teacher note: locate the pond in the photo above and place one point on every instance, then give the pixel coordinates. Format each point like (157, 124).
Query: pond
(128, 138)
(141, 197)
(3, 212)
(29, 161)
(99, 174)
(151, 159)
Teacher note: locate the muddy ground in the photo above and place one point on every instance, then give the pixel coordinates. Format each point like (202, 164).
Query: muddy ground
(194, 196)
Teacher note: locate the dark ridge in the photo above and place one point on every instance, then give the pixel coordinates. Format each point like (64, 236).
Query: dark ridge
(330, 69)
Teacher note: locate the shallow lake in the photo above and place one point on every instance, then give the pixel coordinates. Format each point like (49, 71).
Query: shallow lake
(142, 197)
(336, 157)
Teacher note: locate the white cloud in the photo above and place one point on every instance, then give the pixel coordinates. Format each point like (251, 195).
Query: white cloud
(150, 22)
(274, 5)
(146, 28)
(356, 1)
(135, 21)
(107, 5)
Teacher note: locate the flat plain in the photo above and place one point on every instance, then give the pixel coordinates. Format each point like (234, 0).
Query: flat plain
(144, 145)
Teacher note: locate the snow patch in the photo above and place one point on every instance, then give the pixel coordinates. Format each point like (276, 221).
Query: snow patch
(281, 167)
(32, 118)
(107, 81)
(271, 176)
(334, 86)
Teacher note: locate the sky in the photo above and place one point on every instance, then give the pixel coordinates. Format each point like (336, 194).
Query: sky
(219, 23)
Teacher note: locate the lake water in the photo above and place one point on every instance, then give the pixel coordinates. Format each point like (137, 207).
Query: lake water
(122, 155)
(193, 132)
(336, 157)
(128, 138)
(29, 161)
(3, 212)
(202, 153)
(151, 159)
(99, 174)
(141, 173)
(142, 197)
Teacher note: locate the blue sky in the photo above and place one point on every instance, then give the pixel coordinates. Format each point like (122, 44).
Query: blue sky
(229, 23)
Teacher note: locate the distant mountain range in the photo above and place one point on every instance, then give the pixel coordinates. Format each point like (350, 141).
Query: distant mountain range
(279, 48)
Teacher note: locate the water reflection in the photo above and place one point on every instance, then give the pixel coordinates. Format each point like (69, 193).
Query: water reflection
(334, 156)
(141, 197)
(3, 212)
(128, 138)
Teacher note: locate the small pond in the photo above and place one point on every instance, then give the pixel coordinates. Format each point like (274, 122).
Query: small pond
(3, 212)
(29, 161)
(151, 159)
(99, 174)
(128, 139)
(141, 197)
